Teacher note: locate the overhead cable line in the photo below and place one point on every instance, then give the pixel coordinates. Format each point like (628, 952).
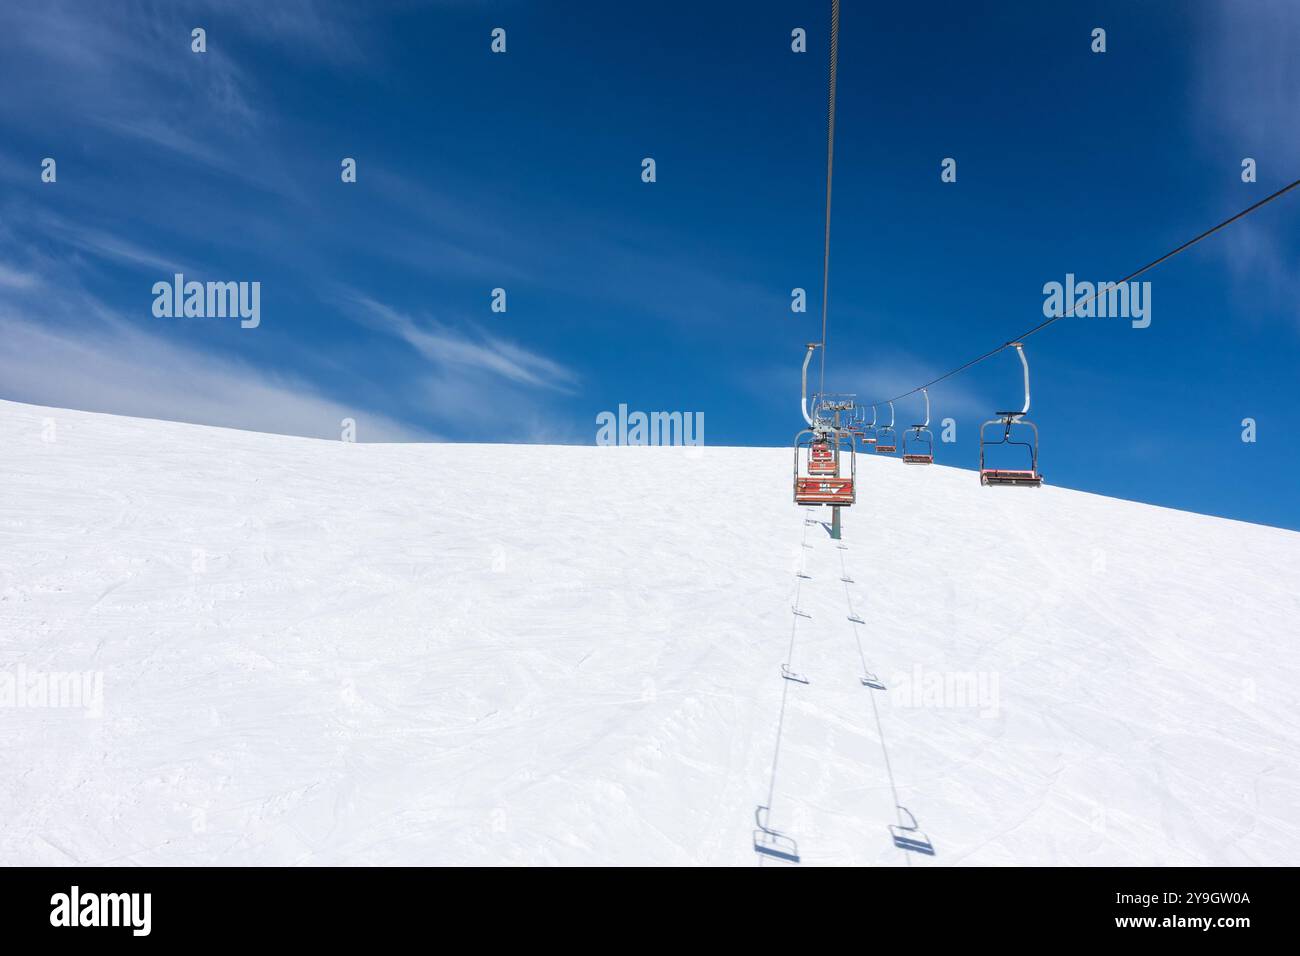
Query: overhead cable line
(830, 163)
(1100, 287)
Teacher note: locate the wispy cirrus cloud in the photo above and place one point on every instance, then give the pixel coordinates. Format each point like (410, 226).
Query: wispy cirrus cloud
(105, 245)
(125, 72)
(1248, 89)
(449, 349)
(12, 278)
(67, 348)
(117, 60)
(1249, 78)
(117, 368)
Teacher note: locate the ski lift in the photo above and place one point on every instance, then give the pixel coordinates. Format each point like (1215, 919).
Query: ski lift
(1023, 439)
(865, 430)
(920, 449)
(910, 837)
(772, 843)
(821, 482)
(829, 411)
(886, 437)
(857, 422)
(821, 451)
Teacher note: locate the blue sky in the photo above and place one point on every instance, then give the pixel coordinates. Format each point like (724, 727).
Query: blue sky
(522, 171)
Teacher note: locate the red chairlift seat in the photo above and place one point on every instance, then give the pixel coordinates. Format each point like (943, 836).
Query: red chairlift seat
(1010, 476)
(919, 451)
(822, 459)
(818, 471)
(824, 491)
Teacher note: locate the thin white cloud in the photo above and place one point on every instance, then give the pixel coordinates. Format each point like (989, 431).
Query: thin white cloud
(447, 348)
(1248, 79)
(66, 348)
(1248, 83)
(114, 248)
(11, 278)
(127, 68)
(118, 369)
(324, 29)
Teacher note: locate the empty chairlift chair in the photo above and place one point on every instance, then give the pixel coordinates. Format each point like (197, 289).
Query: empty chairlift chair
(825, 457)
(1017, 432)
(858, 422)
(886, 437)
(918, 441)
(834, 411)
(824, 468)
(866, 430)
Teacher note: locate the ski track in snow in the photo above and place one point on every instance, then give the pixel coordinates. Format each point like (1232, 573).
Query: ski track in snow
(324, 653)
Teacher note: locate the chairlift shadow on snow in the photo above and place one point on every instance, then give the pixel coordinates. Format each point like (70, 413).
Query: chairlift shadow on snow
(792, 675)
(909, 837)
(872, 681)
(771, 843)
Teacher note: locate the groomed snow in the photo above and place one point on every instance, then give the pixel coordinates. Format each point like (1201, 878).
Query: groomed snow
(316, 652)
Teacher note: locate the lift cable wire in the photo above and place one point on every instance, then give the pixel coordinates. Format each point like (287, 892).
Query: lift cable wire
(830, 162)
(1065, 315)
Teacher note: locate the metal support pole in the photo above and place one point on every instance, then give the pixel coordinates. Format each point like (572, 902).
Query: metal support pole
(835, 522)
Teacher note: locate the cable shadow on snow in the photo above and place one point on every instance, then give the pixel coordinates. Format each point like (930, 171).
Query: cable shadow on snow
(906, 834)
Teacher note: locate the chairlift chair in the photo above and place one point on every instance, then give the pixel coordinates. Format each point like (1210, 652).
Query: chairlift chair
(821, 451)
(1028, 440)
(886, 437)
(858, 422)
(867, 428)
(823, 458)
(831, 409)
(918, 441)
(814, 482)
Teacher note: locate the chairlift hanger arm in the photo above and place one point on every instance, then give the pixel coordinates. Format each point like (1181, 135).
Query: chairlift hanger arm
(1020, 350)
(803, 400)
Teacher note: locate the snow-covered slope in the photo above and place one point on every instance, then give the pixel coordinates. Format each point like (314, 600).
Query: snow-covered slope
(316, 652)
